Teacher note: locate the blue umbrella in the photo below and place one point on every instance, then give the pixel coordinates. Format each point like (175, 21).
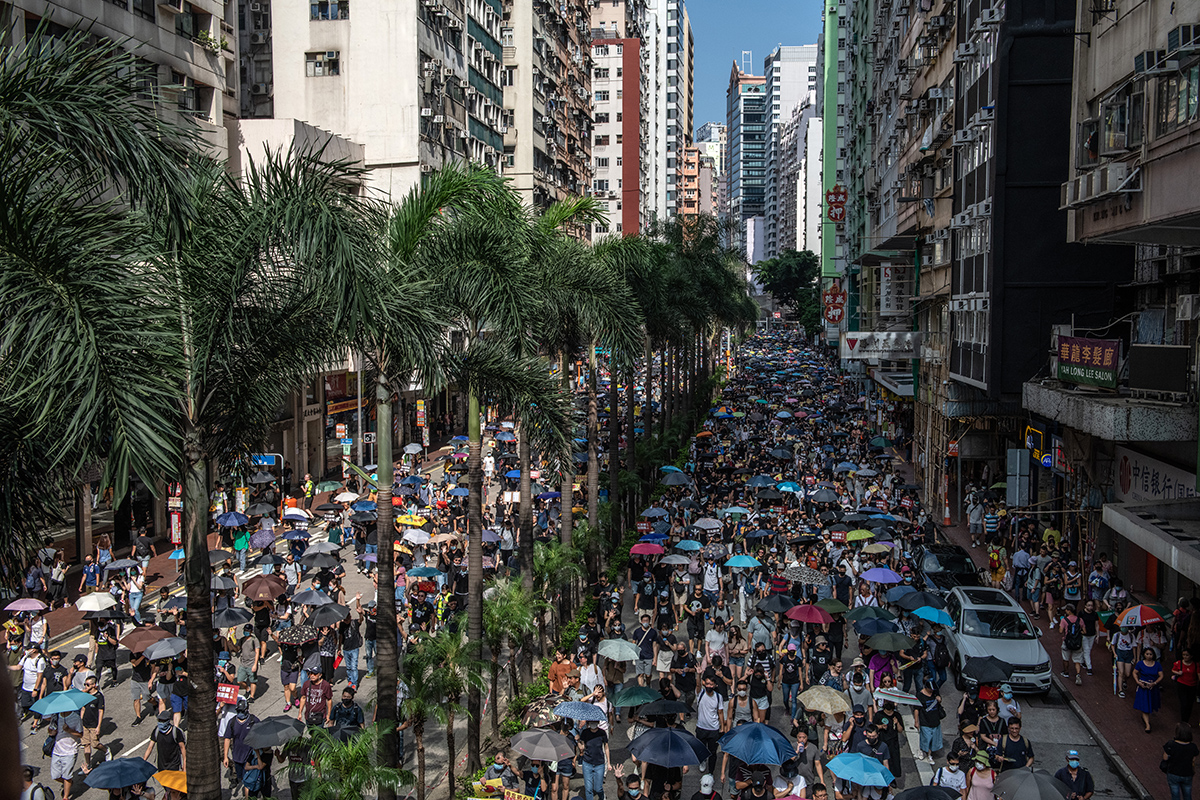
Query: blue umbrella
(896, 592)
(743, 561)
(860, 769)
(788, 486)
(120, 773)
(582, 711)
(735, 510)
(459, 491)
(756, 743)
(513, 473)
(422, 572)
(490, 536)
(296, 534)
(232, 519)
(411, 480)
(549, 495)
(177, 554)
(846, 466)
(505, 436)
(669, 468)
(581, 458)
(784, 415)
(657, 538)
(459, 438)
(364, 505)
(760, 482)
(655, 511)
(870, 627)
(935, 615)
(64, 702)
(688, 544)
(761, 533)
(668, 747)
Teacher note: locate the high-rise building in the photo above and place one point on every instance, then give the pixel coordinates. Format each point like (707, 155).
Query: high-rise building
(833, 47)
(746, 160)
(689, 183)
(797, 181)
(417, 84)
(708, 186)
(791, 79)
(668, 61)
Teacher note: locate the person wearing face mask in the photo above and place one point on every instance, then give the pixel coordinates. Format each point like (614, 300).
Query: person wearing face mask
(872, 746)
(347, 713)
(1078, 780)
(501, 769)
(593, 752)
(858, 687)
(235, 750)
(740, 709)
(169, 742)
(967, 742)
(951, 775)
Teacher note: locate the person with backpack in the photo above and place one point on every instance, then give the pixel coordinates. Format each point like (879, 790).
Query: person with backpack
(937, 655)
(950, 776)
(1071, 627)
(34, 791)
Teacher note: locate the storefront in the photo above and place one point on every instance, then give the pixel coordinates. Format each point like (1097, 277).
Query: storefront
(349, 426)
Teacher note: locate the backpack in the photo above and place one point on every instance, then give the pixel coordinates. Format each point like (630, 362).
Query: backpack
(46, 794)
(1073, 640)
(941, 656)
(993, 559)
(252, 779)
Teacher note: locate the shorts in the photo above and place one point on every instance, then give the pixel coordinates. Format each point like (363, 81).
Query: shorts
(91, 738)
(163, 690)
(139, 691)
(642, 666)
(245, 675)
(737, 661)
(975, 527)
(62, 768)
(1124, 656)
(179, 704)
(762, 703)
(1072, 655)
(263, 634)
(287, 676)
(26, 700)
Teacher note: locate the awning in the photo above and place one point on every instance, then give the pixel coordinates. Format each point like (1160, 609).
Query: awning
(1168, 530)
(899, 383)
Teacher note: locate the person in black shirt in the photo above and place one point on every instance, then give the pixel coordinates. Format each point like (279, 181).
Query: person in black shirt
(889, 724)
(695, 608)
(1015, 750)
(422, 613)
(683, 673)
(590, 631)
(347, 713)
(819, 661)
(872, 745)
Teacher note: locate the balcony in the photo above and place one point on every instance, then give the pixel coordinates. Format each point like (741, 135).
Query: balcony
(1113, 417)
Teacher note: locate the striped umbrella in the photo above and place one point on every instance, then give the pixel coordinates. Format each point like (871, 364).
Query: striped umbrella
(1138, 616)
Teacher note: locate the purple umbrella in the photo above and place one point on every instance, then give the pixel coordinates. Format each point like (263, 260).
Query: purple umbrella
(25, 604)
(491, 536)
(261, 539)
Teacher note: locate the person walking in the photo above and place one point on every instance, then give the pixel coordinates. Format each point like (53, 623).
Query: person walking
(1071, 627)
(1077, 779)
(1187, 680)
(310, 491)
(928, 717)
(980, 778)
(1149, 674)
(1179, 762)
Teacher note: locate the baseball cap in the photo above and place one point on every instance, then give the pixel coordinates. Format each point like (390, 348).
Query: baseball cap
(858, 709)
(165, 716)
(80, 659)
(1005, 689)
(1073, 564)
(792, 646)
(706, 784)
(1072, 754)
(573, 673)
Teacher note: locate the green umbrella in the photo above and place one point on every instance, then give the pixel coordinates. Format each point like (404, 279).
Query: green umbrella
(328, 486)
(618, 650)
(833, 605)
(890, 642)
(635, 696)
(999, 485)
(881, 441)
(858, 535)
(869, 612)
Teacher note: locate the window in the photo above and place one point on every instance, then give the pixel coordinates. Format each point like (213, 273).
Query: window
(506, 37)
(600, 185)
(602, 50)
(1177, 100)
(144, 9)
(508, 77)
(185, 22)
(601, 118)
(601, 141)
(1087, 143)
(602, 163)
(618, 138)
(330, 9)
(601, 97)
(323, 65)
(185, 93)
(618, 72)
(601, 72)
(618, 116)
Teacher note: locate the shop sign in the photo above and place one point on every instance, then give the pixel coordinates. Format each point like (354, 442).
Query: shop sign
(1035, 443)
(1089, 362)
(310, 413)
(1059, 457)
(952, 448)
(863, 345)
(777, 315)
(340, 428)
(1141, 479)
(343, 405)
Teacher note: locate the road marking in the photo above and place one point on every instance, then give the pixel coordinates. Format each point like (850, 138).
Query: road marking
(914, 744)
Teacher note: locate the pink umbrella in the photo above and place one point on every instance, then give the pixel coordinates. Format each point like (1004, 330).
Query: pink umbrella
(814, 614)
(645, 548)
(25, 604)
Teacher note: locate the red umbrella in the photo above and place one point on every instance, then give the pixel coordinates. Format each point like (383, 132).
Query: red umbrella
(808, 614)
(645, 548)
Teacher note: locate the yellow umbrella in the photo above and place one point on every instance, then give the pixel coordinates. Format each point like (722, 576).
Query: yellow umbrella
(172, 779)
(854, 536)
(411, 519)
(877, 547)
(824, 699)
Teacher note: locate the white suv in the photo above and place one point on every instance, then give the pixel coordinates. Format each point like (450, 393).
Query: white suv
(988, 622)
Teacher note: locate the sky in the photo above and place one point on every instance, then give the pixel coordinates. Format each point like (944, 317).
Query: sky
(724, 28)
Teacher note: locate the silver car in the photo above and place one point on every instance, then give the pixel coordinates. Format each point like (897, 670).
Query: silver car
(988, 622)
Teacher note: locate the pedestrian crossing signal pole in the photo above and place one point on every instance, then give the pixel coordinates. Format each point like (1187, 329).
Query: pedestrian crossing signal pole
(945, 499)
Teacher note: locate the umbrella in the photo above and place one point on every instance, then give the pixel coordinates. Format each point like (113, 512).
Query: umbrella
(890, 642)
(714, 550)
(869, 612)
(807, 613)
(987, 669)
(297, 634)
(232, 519)
(258, 509)
(311, 598)
(735, 510)
(1138, 616)
(541, 745)
(264, 587)
(677, 560)
(881, 575)
(896, 592)
(296, 515)
(274, 732)
(859, 535)
(96, 601)
(896, 696)
(166, 648)
(176, 602)
(218, 556)
(120, 773)
(1029, 784)
(824, 496)
(139, 639)
(860, 769)
(707, 524)
(688, 544)
(743, 561)
(262, 476)
(832, 605)
(261, 539)
(669, 747)
(323, 547)
(328, 486)
(220, 583)
(120, 563)
(459, 491)
(645, 548)
(580, 711)
(328, 614)
(824, 699)
(319, 560)
(655, 512)
(914, 600)
(231, 617)
(756, 743)
(416, 536)
(665, 707)
(676, 479)
(173, 779)
(26, 604)
(798, 573)
(618, 650)
(775, 603)
(538, 714)
(872, 626)
(423, 572)
(935, 615)
(62, 702)
(364, 516)
(412, 448)
(635, 696)
(296, 534)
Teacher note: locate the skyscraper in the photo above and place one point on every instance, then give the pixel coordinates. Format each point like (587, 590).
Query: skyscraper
(746, 114)
(791, 80)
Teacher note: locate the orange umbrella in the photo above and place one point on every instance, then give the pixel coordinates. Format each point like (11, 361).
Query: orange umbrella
(173, 779)
(703, 434)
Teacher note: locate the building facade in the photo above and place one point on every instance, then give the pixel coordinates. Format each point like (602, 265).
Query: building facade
(791, 79)
(746, 160)
(797, 182)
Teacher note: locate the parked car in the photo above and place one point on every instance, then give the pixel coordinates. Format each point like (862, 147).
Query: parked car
(989, 622)
(941, 567)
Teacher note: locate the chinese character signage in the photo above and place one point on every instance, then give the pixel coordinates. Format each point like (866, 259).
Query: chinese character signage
(1142, 479)
(1090, 362)
(834, 299)
(861, 345)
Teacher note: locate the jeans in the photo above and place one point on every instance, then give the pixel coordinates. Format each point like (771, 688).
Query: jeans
(791, 698)
(938, 676)
(241, 554)
(369, 654)
(350, 659)
(593, 781)
(135, 606)
(1180, 786)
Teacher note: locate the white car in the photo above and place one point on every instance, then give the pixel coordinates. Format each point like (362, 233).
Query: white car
(988, 622)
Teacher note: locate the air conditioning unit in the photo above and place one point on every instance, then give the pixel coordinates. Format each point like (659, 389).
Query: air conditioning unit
(260, 88)
(426, 112)
(454, 23)
(438, 119)
(940, 21)
(256, 8)
(1187, 306)
(427, 168)
(471, 92)
(983, 209)
(258, 38)
(447, 72)
(1084, 192)
(935, 93)
(960, 220)
(1183, 39)
(1069, 195)
(462, 134)
(965, 51)
(545, 120)
(1108, 178)
(991, 16)
(1147, 61)
(962, 138)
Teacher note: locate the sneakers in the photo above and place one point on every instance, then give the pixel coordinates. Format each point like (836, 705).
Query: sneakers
(1064, 674)
(1078, 681)
(287, 707)
(1122, 694)
(1090, 672)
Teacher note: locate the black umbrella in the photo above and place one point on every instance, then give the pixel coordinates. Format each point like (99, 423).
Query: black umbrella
(690, 504)
(775, 603)
(914, 600)
(297, 634)
(260, 508)
(329, 507)
(987, 669)
(274, 732)
(326, 615)
(928, 793)
(231, 617)
(770, 494)
(218, 556)
(364, 516)
(222, 584)
(824, 496)
(676, 479)
(780, 453)
(112, 612)
(664, 707)
(1029, 784)
(319, 560)
(270, 558)
(669, 747)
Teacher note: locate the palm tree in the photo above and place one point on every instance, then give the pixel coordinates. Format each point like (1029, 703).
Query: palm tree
(423, 702)
(458, 669)
(509, 615)
(349, 768)
(555, 566)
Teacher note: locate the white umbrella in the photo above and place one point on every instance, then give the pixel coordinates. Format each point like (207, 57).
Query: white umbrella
(416, 536)
(413, 448)
(96, 601)
(297, 514)
(345, 497)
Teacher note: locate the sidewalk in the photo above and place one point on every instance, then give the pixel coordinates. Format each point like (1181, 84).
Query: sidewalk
(1135, 754)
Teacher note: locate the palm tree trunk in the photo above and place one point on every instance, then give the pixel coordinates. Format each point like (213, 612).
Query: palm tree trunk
(202, 725)
(450, 736)
(630, 436)
(525, 531)
(387, 662)
(496, 691)
(568, 481)
(419, 735)
(593, 437)
(614, 453)
(512, 666)
(668, 388)
(474, 574)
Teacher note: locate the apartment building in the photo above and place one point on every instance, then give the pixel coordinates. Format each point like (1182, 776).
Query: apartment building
(189, 52)
(797, 180)
(791, 79)
(689, 183)
(832, 89)
(1115, 409)
(746, 112)
(668, 61)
